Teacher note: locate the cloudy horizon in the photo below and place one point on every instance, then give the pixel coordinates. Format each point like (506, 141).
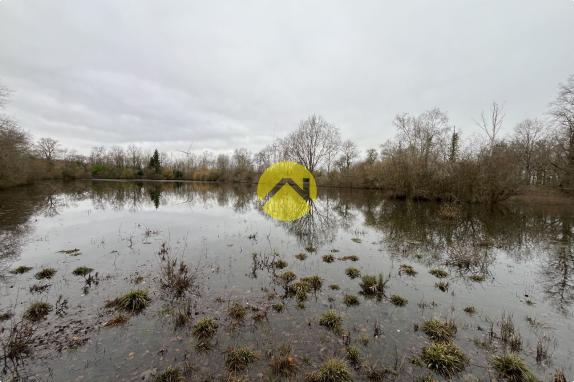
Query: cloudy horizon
(228, 74)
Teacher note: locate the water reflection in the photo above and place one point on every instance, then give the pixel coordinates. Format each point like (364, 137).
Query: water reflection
(464, 238)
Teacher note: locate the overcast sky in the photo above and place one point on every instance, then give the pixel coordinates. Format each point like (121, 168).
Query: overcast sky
(223, 74)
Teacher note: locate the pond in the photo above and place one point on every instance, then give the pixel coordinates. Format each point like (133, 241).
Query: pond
(502, 280)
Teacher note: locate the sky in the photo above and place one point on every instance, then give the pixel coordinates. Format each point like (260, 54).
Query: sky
(218, 75)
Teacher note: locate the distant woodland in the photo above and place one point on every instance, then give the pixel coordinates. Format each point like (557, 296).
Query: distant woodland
(425, 161)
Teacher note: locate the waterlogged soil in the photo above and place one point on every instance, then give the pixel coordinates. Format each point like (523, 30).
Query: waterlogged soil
(511, 261)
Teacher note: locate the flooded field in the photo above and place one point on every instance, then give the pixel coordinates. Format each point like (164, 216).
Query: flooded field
(122, 281)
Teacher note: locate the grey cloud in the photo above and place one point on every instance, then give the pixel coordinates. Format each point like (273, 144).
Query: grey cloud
(223, 74)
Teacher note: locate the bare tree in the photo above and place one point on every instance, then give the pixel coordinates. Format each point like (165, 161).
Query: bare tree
(491, 123)
(313, 144)
(527, 135)
(562, 112)
(47, 148)
(349, 153)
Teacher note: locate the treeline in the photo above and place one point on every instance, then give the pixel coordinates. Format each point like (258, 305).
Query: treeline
(427, 160)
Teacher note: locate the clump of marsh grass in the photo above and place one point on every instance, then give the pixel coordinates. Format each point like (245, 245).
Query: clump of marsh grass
(287, 278)
(350, 257)
(45, 273)
(37, 311)
(329, 258)
(134, 301)
(19, 340)
(71, 252)
(6, 316)
(439, 273)
(300, 289)
(444, 358)
(331, 320)
(351, 300)
(82, 271)
(280, 264)
(438, 330)
(470, 309)
(283, 363)
(477, 278)
(442, 286)
(21, 269)
(301, 256)
(278, 307)
(398, 300)
(512, 368)
(373, 285)
(176, 277)
(315, 282)
(332, 370)
(352, 272)
(356, 240)
(334, 287)
(353, 356)
(542, 346)
(407, 270)
(559, 376)
(237, 311)
(205, 328)
(239, 358)
(508, 334)
(170, 374)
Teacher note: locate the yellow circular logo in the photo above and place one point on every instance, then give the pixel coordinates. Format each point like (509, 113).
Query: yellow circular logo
(286, 190)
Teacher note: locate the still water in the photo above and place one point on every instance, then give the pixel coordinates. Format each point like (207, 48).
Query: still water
(513, 260)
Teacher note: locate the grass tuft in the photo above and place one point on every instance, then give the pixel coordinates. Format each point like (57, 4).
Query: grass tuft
(470, 309)
(315, 282)
(438, 330)
(477, 278)
(329, 258)
(237, 311)
(133, 301)
(407, 269)
(45, 273)
(512, 368)
(353, 356)
(37, 311)
(398, 300)
(21, 269)
(301, 256)
(280, 264)
(352, 272)
(444, 358)
(332, 370)
(442, 286)
(331, 320)
(82, 271)
(351, 300)
(283, 363)
(439, 273)
(239, 358)
(205, 328)
(170, 374)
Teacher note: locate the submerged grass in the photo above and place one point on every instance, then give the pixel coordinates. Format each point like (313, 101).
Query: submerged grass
(134, 301)
(332, 370)
(37, 311)
(512, 368)
(239, 358)
(444, 358)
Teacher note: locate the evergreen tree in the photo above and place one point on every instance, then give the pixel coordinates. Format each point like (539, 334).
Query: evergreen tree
(453, 146)
(154, 162)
